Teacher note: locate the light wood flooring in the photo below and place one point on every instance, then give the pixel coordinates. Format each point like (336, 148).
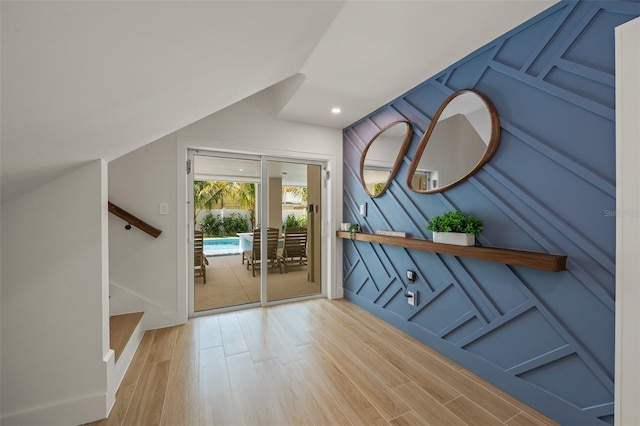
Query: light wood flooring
(315, 362)
(229, 283)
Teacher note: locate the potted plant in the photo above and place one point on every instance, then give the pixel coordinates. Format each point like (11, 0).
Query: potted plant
(455, 228)
(353, 229)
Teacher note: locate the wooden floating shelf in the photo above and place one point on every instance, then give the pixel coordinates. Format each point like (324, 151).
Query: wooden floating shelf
(529, 259)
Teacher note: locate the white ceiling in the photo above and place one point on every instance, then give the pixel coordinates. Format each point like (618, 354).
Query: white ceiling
(87, 80)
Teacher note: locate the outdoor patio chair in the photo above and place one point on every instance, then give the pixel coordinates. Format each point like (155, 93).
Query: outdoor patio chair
(200, 261)
(294, 250)
(254, 257)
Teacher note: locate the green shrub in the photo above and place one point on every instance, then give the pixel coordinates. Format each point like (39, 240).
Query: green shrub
(211, 226)
(292, 220)
(222, 227)
(455, 221)
(235, 223)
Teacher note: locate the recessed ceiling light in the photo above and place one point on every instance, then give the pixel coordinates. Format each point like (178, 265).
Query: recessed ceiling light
(336, 110)
(241, 170)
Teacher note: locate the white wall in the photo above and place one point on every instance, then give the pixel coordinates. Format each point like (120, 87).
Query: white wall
(627, 379)
(142, 268)
(54, 304)
(151, 274)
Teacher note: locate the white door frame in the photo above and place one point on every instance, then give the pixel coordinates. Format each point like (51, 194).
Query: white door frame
(332, 212)
(627, 347)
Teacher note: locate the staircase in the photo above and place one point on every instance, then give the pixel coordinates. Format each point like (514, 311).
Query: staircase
(125, 333)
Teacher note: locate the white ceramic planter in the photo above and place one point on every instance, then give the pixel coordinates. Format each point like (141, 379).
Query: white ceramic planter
(456, 238)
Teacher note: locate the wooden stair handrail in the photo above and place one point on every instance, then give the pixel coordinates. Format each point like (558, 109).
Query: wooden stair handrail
(133, 220)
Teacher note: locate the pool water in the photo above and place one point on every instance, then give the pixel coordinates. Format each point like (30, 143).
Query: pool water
(221, 246)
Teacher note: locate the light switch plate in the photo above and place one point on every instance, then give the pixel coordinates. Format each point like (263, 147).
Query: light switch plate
(363, 209)
(411, 298)
(164, 208)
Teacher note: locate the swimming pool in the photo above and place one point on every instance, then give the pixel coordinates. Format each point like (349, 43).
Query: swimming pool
(221, 246)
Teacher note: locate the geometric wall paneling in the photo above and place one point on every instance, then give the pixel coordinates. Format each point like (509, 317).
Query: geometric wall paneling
(579, 386)
(384, 117)
(586, 319)
(555, 232)
(542, 117)
(523, 345)
(394, 301)
(515, 52)
(465, 327)
(564, 160)
(482, 305)
(470, 71)
(560, 230)
(426, 100)
(496, 284)
(579, 51)
(445, 308)
(550, 43)
(585, 87)
(547, 338)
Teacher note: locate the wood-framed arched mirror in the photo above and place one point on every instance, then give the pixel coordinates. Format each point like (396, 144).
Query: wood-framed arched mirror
(463, 135)
(383, 155)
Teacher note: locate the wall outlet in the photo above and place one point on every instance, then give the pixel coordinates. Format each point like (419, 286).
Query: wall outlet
(412, 298)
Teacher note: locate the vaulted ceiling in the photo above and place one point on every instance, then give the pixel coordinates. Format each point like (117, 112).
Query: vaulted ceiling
(88, 80)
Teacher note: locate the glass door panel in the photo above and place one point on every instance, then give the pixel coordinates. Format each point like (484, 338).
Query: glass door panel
(293, 203)
(226, 204)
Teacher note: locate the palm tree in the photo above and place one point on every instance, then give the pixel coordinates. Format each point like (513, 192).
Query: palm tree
(206, 194)
(299, 192)
(244, 195)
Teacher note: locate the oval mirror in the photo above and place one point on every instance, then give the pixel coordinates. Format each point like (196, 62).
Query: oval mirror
(463, 135)
(383, 155)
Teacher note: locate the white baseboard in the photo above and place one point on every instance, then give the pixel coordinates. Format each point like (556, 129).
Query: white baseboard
(64, 413)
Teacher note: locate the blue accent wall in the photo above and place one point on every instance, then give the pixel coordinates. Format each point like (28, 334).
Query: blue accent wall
(546, 338)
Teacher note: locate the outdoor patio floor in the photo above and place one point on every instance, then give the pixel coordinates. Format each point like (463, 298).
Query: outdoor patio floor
(229, 283)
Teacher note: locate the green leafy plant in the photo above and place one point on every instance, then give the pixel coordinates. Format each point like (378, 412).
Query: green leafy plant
(219, 227)
(292, 220)
(211, 226)
(377, 188)
(235, 223)
(354, 228)
(455, 221)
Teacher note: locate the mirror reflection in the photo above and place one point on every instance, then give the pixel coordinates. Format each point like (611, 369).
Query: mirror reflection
(382, 156)
(462, 137)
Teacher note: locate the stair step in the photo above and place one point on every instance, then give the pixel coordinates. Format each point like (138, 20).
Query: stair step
(121, 329)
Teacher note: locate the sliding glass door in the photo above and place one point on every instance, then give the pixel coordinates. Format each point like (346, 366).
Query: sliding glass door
(237, 261)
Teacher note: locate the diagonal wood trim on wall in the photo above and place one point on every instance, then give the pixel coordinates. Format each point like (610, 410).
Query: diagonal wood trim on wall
(547, 338)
